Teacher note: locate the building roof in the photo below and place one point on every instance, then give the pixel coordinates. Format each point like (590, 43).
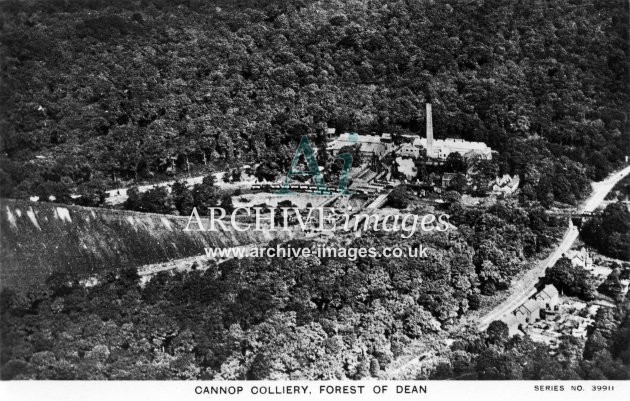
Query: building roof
(377, 148)
(345, 137)
(455, 144)
(528, 307)
(368, 143)
(547, 293)
(580, 256)
(409, 148)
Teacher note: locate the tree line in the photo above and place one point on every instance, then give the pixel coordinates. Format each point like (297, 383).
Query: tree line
(261, 318)
(97, 92)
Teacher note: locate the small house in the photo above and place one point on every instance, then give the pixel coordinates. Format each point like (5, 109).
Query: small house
(580, 258)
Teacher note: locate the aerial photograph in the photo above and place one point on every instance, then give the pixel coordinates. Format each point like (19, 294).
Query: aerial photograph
(315, 190)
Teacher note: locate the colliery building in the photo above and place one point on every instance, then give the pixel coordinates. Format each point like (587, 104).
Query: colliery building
(440, 148)
(436, 149)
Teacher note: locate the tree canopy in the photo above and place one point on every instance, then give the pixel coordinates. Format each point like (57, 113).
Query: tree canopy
(97, 90)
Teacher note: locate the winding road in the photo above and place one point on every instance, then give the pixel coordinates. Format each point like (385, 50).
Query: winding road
(525, 287)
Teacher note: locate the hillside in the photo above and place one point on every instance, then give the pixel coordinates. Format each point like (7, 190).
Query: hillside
(164, 85)
(120, 95)
(37, 239)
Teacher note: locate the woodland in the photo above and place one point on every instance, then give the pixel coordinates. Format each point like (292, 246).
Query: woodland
(97, 94)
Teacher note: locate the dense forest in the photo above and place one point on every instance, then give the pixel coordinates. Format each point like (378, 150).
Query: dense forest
(306, 318)
(93, 91)
(95, 94)
(609, 231)
(256, 318)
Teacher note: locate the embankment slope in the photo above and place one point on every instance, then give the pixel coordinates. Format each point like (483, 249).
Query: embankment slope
(37, 239)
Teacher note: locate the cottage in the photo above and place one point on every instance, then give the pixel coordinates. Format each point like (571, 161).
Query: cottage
(528, 312)
(580, 258)
(548, 297)
(534, 308)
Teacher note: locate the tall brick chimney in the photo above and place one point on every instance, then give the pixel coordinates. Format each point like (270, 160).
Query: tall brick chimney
(429, 131)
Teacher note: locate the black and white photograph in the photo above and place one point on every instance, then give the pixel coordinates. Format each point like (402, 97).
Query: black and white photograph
(315, 198)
